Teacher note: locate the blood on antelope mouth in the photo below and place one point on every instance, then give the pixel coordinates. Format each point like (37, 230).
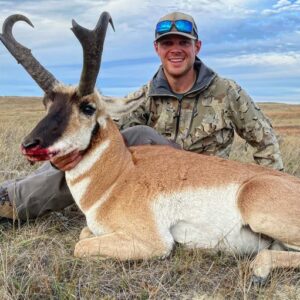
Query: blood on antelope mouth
(38, 154)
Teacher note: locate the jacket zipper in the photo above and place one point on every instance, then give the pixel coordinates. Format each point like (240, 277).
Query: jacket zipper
(178, 114)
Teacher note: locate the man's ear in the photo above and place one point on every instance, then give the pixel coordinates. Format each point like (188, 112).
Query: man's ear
(198, 45)
(155, 44)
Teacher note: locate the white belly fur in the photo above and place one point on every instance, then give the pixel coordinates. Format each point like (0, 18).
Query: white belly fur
(205, 218)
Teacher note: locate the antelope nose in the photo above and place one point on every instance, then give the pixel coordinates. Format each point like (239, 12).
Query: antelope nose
(30, 144)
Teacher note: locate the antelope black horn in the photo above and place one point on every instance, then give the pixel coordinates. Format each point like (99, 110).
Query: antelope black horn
(92, 44)
(23, 55)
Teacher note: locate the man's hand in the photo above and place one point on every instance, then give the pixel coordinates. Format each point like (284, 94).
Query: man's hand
(67, 162)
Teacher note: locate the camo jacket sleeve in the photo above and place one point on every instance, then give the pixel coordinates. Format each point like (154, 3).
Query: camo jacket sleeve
(139, 115)
(251, 124)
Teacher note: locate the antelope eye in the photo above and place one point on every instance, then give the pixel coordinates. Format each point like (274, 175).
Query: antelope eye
(87, 109)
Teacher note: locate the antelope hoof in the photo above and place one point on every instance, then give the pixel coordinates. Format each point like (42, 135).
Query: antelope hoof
(261, 267)
(258, 280)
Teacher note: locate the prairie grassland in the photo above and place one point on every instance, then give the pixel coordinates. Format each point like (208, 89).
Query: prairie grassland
(36, 260)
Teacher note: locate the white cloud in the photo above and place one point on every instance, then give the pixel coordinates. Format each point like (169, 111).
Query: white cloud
(282, 6)
(282, 60)
(281, 3)
(133, 19)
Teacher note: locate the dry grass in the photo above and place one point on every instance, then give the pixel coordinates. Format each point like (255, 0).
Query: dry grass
(36, 259)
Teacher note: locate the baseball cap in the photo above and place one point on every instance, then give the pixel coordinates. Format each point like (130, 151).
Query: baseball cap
(176, 23)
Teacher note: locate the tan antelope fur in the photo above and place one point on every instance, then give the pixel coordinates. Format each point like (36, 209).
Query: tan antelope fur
(139, 201)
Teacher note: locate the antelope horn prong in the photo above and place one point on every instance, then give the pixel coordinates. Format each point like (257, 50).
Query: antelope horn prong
(92, 44)
(23, 55)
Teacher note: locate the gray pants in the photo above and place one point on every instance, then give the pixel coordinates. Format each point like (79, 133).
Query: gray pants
(46, 190)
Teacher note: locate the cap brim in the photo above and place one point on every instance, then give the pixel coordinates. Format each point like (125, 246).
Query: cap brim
(175, 33)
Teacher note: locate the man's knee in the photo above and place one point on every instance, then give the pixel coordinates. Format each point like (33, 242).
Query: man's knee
(140, 135)
(145, 135)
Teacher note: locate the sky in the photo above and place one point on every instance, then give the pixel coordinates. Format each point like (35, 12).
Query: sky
(254, 42)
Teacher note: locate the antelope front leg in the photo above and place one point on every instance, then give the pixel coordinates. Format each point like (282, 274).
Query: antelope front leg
(120, 246)
(267, 260)
(85, 233)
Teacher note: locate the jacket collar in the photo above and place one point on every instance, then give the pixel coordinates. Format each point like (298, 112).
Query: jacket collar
(159, 85)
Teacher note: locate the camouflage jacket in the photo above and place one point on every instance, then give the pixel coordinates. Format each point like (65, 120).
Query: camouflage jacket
(205, 119)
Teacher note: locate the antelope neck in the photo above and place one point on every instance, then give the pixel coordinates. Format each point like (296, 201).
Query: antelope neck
(106, 159)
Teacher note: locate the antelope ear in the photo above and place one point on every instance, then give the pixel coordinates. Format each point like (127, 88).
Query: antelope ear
(117, 107)
(75, 96)
(49, 96)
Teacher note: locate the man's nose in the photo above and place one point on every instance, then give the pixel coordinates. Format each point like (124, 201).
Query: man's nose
(176, 49)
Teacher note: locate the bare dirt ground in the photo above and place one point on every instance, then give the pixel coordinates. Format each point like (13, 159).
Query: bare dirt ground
(36, 260)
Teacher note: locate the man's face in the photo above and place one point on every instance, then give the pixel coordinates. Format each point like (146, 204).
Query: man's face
(177, 54)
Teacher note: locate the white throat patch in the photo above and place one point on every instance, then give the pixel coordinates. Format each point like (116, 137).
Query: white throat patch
(88, 161)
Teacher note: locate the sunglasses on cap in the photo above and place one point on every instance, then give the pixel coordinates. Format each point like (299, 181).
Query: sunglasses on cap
(181, 25)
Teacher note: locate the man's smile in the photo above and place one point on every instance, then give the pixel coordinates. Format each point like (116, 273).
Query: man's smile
(176, 59)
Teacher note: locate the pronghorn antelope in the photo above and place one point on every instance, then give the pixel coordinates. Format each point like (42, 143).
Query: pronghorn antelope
(139, 201)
